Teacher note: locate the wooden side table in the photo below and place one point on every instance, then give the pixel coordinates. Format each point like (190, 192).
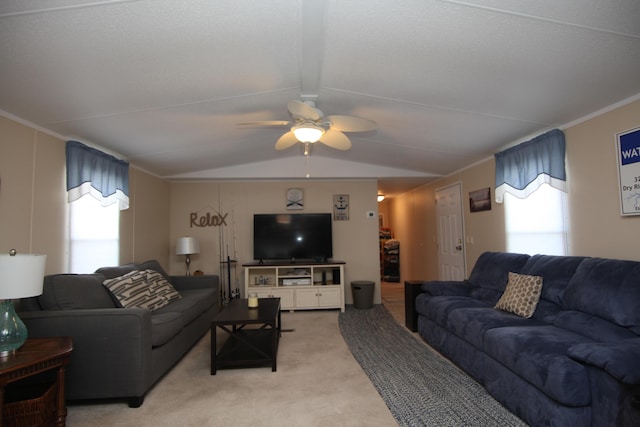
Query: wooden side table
(36, 357)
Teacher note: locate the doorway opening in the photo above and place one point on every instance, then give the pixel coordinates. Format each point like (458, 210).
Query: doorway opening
(392, 296)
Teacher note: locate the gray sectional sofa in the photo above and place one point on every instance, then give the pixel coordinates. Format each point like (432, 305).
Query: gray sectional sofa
(574, 362)
(120, 352)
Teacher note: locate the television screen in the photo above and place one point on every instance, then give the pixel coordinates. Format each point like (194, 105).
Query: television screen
(292, 237)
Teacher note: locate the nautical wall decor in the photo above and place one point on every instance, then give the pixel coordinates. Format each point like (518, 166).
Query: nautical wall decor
(628, 156)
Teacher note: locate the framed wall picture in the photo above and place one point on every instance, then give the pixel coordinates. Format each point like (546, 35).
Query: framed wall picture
(480, 200)
(341, 207)
(295, 198)
(628, 159)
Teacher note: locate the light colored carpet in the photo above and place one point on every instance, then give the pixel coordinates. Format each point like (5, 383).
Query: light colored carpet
(318, 383)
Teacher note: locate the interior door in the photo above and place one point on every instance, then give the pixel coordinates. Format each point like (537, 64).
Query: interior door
(451, 258)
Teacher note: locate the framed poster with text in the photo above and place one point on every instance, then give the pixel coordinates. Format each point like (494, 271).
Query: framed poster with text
(341, 207)
(628, 159)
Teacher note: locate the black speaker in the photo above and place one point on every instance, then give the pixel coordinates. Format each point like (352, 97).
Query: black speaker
(336, 276)
(324, 277)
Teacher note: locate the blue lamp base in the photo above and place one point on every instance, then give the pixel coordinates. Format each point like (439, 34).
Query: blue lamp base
(13, 332)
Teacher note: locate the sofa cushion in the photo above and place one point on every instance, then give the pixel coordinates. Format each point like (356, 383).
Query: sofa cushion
(490, 273)
(556, 272)
(145, 289)
(165, 326)
(193, 303)
(521, 295)
(599, 330)
(438, 308)
(538, 354)
(74, 291)
(606, 288)
(471, 324)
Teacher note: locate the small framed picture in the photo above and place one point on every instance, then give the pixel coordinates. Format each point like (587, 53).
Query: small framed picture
(295, 198)
(480, 200)
(341, 207)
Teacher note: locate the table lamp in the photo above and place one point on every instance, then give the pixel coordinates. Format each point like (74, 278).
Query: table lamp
(187, 246)
(21, 276)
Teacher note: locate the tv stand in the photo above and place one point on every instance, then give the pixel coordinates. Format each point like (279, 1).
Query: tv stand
(300, 285)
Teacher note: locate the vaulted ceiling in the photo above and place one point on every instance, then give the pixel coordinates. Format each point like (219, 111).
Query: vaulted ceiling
(164, 83)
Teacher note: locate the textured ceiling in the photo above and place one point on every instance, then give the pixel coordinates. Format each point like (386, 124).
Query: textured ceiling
(164, 83)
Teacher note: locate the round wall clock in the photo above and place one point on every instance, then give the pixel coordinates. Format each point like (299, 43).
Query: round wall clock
(295, 198)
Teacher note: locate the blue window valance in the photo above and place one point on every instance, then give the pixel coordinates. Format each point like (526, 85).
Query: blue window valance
(520, 170)
(90, 171)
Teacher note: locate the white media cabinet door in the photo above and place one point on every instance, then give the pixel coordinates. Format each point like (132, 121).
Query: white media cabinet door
(319, 297)
(285, 295)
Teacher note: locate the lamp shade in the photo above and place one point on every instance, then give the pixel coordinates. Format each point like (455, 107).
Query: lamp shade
(21, 275)
(187, 246)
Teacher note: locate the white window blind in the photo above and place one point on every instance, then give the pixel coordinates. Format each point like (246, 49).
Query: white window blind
(537, 224)
(93, 235)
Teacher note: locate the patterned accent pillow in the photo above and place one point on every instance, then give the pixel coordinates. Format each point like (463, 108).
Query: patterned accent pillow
(161, 286)
(521, 295)
(145, 289)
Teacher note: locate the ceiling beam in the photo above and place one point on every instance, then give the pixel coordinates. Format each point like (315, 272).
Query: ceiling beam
(312, 46)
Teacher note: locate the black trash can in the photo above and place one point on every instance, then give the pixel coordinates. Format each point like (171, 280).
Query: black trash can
(362, 291)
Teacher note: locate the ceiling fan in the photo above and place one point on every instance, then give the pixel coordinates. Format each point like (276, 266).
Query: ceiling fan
(309, 125)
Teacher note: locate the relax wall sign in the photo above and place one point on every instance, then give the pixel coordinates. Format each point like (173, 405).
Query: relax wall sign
(207, 220)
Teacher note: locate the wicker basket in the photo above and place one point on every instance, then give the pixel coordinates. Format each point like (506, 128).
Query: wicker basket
(33, 411)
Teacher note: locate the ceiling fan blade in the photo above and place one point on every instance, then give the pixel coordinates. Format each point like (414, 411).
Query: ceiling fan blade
(351, 124)
(336, 139)
(300, 109)
(285, 141)
(266, 123)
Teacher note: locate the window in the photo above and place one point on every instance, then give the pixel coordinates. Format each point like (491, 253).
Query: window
(93, 235)
(537, 224)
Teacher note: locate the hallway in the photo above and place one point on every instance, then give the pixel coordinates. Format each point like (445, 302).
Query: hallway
(392, 294)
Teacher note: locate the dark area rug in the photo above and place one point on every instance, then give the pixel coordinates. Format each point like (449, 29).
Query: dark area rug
(418, 385)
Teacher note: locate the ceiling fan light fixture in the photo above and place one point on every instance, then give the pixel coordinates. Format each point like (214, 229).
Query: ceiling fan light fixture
(307, 132)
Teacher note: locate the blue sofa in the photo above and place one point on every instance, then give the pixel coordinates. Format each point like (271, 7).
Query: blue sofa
(574, 362)
(120, 353)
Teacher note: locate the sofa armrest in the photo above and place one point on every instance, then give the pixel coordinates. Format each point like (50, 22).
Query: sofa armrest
(195, 282)
(413, 288)
(618, 359)
(111, 349)
(447, 288)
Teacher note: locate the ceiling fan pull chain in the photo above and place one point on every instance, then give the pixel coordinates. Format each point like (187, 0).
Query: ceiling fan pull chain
(307, 151)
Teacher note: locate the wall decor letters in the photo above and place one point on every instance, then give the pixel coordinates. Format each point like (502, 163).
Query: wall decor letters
(207, 220)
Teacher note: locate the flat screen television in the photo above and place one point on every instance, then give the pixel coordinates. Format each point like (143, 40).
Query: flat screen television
(293, 237)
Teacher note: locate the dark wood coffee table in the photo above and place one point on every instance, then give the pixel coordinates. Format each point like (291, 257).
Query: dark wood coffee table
(254, 334)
